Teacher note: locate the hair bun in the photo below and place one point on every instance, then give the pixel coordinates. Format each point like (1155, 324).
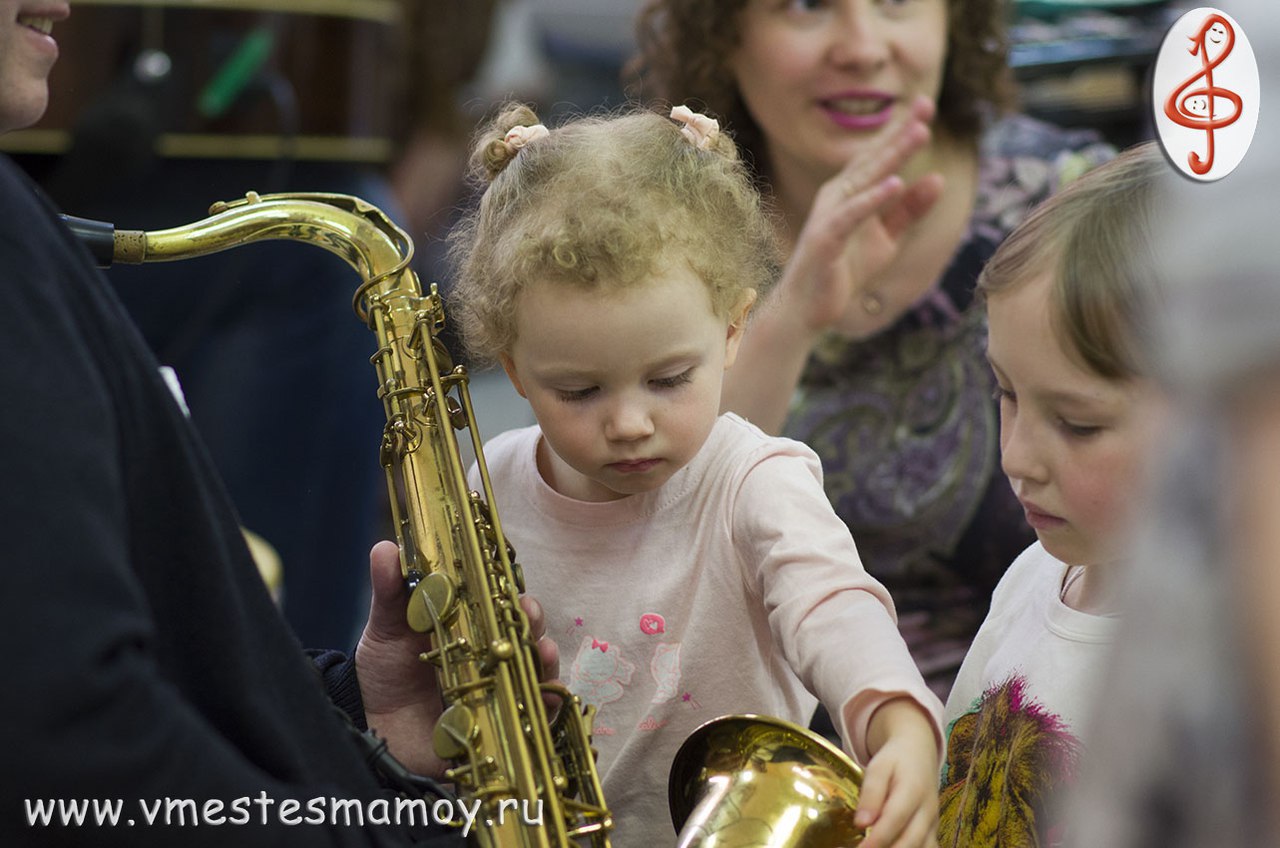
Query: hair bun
(700, 130)
(500, 141)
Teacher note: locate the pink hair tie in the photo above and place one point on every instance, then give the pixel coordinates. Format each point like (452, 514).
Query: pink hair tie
(518, 137)
(698, 128)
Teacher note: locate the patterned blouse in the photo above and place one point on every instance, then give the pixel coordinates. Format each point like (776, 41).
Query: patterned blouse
(906, 424)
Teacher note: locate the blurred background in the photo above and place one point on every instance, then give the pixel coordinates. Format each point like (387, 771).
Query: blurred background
(160, 108)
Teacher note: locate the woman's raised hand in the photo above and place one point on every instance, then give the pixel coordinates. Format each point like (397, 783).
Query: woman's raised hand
(854, 230)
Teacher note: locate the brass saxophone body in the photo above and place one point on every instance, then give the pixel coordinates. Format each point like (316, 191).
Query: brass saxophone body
(464, 581)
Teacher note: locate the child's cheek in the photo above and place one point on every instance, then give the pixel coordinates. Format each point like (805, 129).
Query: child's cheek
(1112, 496)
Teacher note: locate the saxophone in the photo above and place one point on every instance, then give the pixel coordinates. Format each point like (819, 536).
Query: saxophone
(462, 575)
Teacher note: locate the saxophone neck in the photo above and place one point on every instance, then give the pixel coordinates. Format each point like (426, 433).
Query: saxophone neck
(362, 234)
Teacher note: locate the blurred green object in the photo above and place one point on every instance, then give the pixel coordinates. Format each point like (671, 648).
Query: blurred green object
(236, 73)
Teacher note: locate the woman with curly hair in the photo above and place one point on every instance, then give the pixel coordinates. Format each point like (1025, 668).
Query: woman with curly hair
(870, 348)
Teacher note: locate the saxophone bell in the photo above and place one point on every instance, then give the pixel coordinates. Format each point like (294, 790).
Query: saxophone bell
(748, 780)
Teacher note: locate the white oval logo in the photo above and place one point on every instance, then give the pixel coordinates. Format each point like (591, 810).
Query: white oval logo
(1205, 94)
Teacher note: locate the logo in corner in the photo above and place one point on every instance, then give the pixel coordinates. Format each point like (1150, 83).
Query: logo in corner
(1205, 94)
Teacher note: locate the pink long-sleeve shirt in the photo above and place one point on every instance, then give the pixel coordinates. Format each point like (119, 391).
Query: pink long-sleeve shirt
(734, 588)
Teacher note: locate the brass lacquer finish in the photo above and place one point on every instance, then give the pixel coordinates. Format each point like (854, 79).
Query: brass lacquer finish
(464, 581)
(758, 781)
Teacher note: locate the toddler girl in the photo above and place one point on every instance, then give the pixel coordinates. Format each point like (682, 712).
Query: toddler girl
(1066, 300)
(689, 565)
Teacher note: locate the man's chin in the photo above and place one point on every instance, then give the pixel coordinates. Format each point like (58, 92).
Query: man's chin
(20, 109)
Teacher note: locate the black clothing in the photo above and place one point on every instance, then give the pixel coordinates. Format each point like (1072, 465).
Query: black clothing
(147, 660)
(263, 338)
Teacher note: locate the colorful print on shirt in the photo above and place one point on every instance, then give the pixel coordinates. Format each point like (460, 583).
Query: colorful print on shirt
(599, 674)
(602, 672)
(1008, 758)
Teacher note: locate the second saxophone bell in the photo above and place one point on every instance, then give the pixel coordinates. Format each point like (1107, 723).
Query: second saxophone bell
(747, 780)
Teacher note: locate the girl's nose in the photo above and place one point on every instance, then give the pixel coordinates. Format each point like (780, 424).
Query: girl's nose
(628, 421)
(1020, 457)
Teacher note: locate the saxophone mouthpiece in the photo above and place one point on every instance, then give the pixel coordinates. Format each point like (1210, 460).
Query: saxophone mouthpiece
(106, 243)
(98, 236)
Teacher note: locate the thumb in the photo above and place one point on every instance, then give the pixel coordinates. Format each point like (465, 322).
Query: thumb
(388, 593)
(871, 798)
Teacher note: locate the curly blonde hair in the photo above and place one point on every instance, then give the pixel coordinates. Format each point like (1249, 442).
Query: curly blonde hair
(685, 46)
(602, 202)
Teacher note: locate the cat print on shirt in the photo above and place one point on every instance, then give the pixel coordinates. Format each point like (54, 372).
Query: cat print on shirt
(599, 673)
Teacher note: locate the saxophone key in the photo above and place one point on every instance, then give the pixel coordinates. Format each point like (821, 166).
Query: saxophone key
(434, 599)
(455, 732)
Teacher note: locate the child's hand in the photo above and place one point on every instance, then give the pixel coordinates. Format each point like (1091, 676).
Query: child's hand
(899, 800)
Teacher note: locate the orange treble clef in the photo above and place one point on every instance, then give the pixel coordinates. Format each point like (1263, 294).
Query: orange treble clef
(1215, 29)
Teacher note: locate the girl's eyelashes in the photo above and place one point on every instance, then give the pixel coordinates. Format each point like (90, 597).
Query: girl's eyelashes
(803, 5)
(1079, 431)
(576, 394)
(673, 381)
(1075, 430)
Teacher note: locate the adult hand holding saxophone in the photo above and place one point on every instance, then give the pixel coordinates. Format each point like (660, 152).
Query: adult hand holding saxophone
(400, 702)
